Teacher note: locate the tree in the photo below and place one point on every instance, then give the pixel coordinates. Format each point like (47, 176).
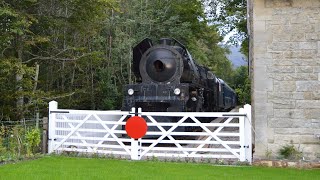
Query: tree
(242, 85)
(16, 19)
(230, 16)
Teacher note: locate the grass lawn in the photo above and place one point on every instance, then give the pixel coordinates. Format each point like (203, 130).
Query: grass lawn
(87, 168)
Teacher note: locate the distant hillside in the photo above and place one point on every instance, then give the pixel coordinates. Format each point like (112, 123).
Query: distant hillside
(236, 57)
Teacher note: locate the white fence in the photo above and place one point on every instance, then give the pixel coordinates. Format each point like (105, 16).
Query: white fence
(225, 135)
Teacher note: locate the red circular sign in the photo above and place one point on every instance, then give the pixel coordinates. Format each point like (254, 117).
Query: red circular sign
(136, 127)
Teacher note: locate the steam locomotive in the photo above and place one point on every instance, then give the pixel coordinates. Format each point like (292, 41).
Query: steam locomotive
(168, 80)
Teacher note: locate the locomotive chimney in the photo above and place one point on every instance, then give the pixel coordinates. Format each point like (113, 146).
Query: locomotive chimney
(165, 41)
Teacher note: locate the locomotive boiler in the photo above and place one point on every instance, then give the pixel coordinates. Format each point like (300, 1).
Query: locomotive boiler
(169, 80)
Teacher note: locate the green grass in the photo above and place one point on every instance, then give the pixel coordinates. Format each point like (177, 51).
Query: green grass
(87, 168)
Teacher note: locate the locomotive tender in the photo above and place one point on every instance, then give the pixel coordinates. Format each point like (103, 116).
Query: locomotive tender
(168, 80)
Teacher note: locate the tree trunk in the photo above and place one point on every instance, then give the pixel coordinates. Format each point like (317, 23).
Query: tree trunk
(19, 78)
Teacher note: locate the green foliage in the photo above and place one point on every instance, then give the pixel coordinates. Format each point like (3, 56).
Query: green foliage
(9, 68)
(290, 152)
(242, 85)
(32, 140)
(18, 142)
(231, 16)
(2, 133)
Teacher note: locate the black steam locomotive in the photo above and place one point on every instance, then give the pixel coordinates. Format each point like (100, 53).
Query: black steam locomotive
(168, 80)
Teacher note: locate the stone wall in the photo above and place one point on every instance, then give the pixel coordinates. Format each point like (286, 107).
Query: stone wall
(285, 63)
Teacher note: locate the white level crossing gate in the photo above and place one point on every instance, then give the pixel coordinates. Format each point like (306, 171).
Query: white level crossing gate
(226, 135)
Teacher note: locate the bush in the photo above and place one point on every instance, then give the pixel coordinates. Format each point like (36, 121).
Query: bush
(18, 142)
(290, 152)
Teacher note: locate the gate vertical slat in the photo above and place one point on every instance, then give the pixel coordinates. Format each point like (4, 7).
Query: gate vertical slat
(242, 138)
(53, 106)
(248, 133)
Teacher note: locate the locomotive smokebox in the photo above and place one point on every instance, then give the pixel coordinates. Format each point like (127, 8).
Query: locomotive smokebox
(161, 64)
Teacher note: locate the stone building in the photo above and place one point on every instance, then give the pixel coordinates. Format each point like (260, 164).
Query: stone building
(285, 69)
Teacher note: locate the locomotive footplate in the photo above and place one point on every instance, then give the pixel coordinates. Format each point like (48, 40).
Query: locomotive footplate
(156, 97)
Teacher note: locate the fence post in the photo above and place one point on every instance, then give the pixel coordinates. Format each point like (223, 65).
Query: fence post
(134, 149)
(45, 135)
(53, 106)
(242, 135)
(37, 120)
(248, 133)
(134, 142)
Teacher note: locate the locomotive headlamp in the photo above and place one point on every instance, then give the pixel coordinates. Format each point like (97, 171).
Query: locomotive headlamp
(130, 91)
(177, 91)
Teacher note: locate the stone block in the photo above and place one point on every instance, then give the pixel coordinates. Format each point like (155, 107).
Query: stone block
(261, 80)
(263, 107)
(298, 36)
(304, 69)
(312, 113)
(283, 104)
(308, 104)
(259, 26)
(316, 69)
(315, 123)
(263, 61)
(283, 86)
(278, 3)
(308, 85)
(260, 12)
(295, 139)
(310, 151)
(304, 54)
(308, 45)
(298, 19)
(314, 95)
(298, 95)
(290, 123)
(259, 48)
(294, 76)
(312, 36)
(270, 132)
(317, 27)
(305, 3)
(279, 95)
(286, 95)
(260, 97)
(279, 123)
(262, 37)
(289, 113)
(280, 69)
(277, 55)
(279, 20)
(273, 28)
(296, 62)
(294, 131)
(282, 46)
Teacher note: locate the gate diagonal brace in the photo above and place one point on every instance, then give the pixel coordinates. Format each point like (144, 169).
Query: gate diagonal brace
(163, 136)
(215, 132)
(108, 133)
(112, 134)
(78, 134)
(169, 136)
(216, 137)
(72, 131)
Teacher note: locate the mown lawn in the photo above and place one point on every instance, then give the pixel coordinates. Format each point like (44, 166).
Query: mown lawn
(87, 168)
